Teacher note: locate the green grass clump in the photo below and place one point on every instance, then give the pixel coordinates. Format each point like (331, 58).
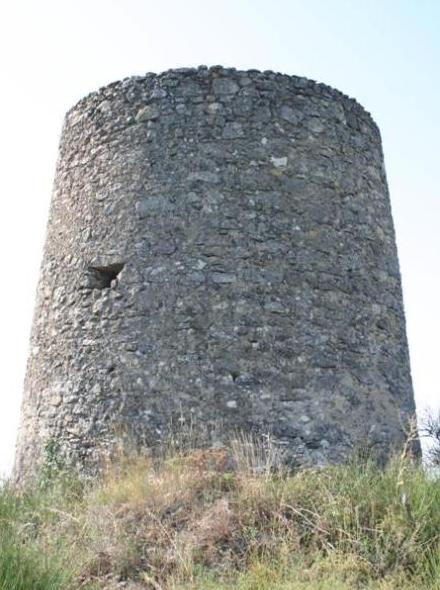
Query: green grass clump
(191, 521)
(25, 564)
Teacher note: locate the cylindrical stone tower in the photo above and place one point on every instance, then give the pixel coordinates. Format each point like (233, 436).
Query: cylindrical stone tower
(220, 252)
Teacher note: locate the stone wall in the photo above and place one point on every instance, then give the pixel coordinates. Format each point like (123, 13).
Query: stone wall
(221, 253)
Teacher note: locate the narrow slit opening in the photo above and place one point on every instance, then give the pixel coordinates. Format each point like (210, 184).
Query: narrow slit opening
(103, 276)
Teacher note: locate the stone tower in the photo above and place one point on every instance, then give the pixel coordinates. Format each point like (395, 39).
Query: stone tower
(220, 251)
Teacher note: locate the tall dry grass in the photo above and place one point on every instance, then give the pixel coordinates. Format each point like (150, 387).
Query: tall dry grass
(223, 519)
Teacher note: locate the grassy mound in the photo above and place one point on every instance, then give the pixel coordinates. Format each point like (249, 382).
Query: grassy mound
(198, 520)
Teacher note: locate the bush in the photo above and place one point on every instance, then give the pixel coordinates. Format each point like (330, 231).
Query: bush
(431, 430)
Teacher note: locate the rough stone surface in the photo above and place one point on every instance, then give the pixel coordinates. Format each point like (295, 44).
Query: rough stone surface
(220, 252)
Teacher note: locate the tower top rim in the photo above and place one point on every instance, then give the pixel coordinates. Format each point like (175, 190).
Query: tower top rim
(299, 85)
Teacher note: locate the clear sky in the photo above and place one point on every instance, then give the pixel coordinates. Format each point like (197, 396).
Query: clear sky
(385, 53)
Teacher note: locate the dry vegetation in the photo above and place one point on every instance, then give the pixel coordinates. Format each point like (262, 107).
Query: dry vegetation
(224, 519)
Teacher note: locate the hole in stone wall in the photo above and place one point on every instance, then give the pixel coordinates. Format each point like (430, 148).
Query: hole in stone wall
(101, 277)
(235, 375)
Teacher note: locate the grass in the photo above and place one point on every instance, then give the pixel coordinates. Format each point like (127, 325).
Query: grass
(223, 520)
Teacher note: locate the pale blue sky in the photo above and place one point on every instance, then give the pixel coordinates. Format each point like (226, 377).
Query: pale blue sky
(385, 53)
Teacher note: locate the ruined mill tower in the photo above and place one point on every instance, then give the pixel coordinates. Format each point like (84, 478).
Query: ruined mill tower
(220, 251)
